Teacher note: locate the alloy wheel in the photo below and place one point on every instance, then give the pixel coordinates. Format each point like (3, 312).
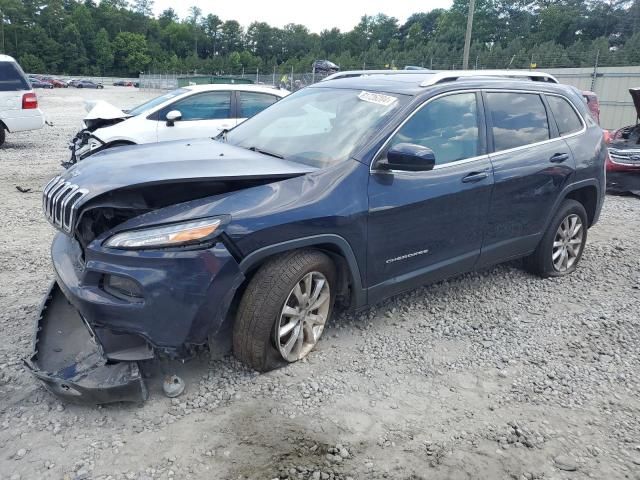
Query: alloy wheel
(303, 317)
(567, 244)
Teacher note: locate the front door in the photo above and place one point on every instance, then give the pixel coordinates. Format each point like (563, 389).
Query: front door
(203, 115)
(425, 226)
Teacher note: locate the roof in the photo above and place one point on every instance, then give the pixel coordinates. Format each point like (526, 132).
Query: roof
(238, 86)
(6, 58)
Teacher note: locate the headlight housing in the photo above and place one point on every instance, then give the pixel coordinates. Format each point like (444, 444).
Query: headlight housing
(163, 236)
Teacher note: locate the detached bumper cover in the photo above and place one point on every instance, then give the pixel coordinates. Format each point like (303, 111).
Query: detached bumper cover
(71, 363)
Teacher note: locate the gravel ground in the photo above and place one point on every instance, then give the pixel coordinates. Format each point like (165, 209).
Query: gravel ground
(491, 375)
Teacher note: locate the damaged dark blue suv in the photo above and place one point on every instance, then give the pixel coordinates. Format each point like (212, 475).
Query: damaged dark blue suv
(346, 192)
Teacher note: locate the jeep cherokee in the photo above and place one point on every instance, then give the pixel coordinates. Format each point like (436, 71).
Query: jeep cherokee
(348, 191)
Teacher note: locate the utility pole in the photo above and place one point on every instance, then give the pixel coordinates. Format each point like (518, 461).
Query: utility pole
(467, 37)
(2, 32)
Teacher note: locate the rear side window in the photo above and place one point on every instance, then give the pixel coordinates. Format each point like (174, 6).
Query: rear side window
(566, 117)
(447, 125)
(252, 103)
(518, 119)
(11, 78)
(203, 106)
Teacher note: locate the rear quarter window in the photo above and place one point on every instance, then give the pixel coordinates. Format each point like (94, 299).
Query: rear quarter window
(566, 117)
(517, 119)
(11, 78)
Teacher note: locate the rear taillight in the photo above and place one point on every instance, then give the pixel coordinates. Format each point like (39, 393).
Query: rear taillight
(29, 101)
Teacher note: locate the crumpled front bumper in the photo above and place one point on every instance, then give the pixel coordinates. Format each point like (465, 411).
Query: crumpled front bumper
(71, 362)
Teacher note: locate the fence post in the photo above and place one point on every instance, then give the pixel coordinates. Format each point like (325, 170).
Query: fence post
(257, 78)
(595, 72)
(274, 75)
(292, 78)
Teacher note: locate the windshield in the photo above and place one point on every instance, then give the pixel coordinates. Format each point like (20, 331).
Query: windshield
(317, 126)
(156, 101)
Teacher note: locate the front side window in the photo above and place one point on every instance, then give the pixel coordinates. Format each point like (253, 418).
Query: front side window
(447, 125)
(318, 126)
(253, 102)
(518, 119)
(566, 117)
(202, 106)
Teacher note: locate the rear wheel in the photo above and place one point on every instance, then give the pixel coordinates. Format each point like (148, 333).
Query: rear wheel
(562, 245)
(2, 134)
(284, 309)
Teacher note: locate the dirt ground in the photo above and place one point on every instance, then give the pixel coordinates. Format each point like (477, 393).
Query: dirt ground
(493, 375)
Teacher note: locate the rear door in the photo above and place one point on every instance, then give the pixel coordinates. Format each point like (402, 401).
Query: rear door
(424, 226)
(251, 103)
(531, 165)
(204, 114)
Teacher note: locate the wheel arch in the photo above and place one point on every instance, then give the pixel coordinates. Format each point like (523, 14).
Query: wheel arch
(587, 192)
(335, 246)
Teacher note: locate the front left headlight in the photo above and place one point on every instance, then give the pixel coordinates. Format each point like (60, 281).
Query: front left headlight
(174, 235)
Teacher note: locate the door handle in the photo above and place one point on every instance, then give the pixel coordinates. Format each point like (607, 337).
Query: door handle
(475, 177)
(559, 158)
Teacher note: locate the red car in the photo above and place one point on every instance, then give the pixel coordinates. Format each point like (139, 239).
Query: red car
(55, 82)
(623, 166)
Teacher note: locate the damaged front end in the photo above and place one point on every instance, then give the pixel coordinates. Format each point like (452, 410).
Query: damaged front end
(100, 114)
(72, 363)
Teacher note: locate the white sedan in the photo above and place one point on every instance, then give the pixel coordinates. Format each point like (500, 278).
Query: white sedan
(188, 112)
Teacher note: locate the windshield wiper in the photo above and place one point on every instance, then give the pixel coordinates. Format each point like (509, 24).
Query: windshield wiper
(264, 152)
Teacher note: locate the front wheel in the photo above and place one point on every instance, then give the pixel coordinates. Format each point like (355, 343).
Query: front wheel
(2, 135)
(562, 245)
(284, 309)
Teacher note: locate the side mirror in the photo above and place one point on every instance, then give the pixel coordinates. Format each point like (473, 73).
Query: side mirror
(173, 116)
(409, 157)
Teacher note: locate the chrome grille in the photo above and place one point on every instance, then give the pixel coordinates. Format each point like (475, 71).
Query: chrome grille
(625, 157)
(60, 203)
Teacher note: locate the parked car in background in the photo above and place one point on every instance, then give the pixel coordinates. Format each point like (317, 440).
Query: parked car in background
(73, 82)
(623, 167)
(345, 192)
(38, 83)
(57, 83)
(189, 112)
(18, 103)
(325, 66)
(88, 84)
(122, 83)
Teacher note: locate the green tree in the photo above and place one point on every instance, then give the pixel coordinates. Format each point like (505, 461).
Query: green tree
(31, 63)
(131, 53)
(104, 52)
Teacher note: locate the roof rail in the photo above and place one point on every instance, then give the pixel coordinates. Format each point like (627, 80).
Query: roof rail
(453, 75)
(441, 76)
(362, 73)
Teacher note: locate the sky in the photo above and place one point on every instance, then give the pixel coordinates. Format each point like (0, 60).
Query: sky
(315, 14)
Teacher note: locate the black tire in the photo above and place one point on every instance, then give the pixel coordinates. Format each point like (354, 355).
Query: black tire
(3, 134)
(540, 262)
(263, 300)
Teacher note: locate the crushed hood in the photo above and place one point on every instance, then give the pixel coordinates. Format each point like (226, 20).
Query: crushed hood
(180, 161)
(101, 110)
(102, 114)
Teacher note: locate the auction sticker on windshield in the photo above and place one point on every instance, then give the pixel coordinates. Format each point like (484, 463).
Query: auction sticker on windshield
(377, 98)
